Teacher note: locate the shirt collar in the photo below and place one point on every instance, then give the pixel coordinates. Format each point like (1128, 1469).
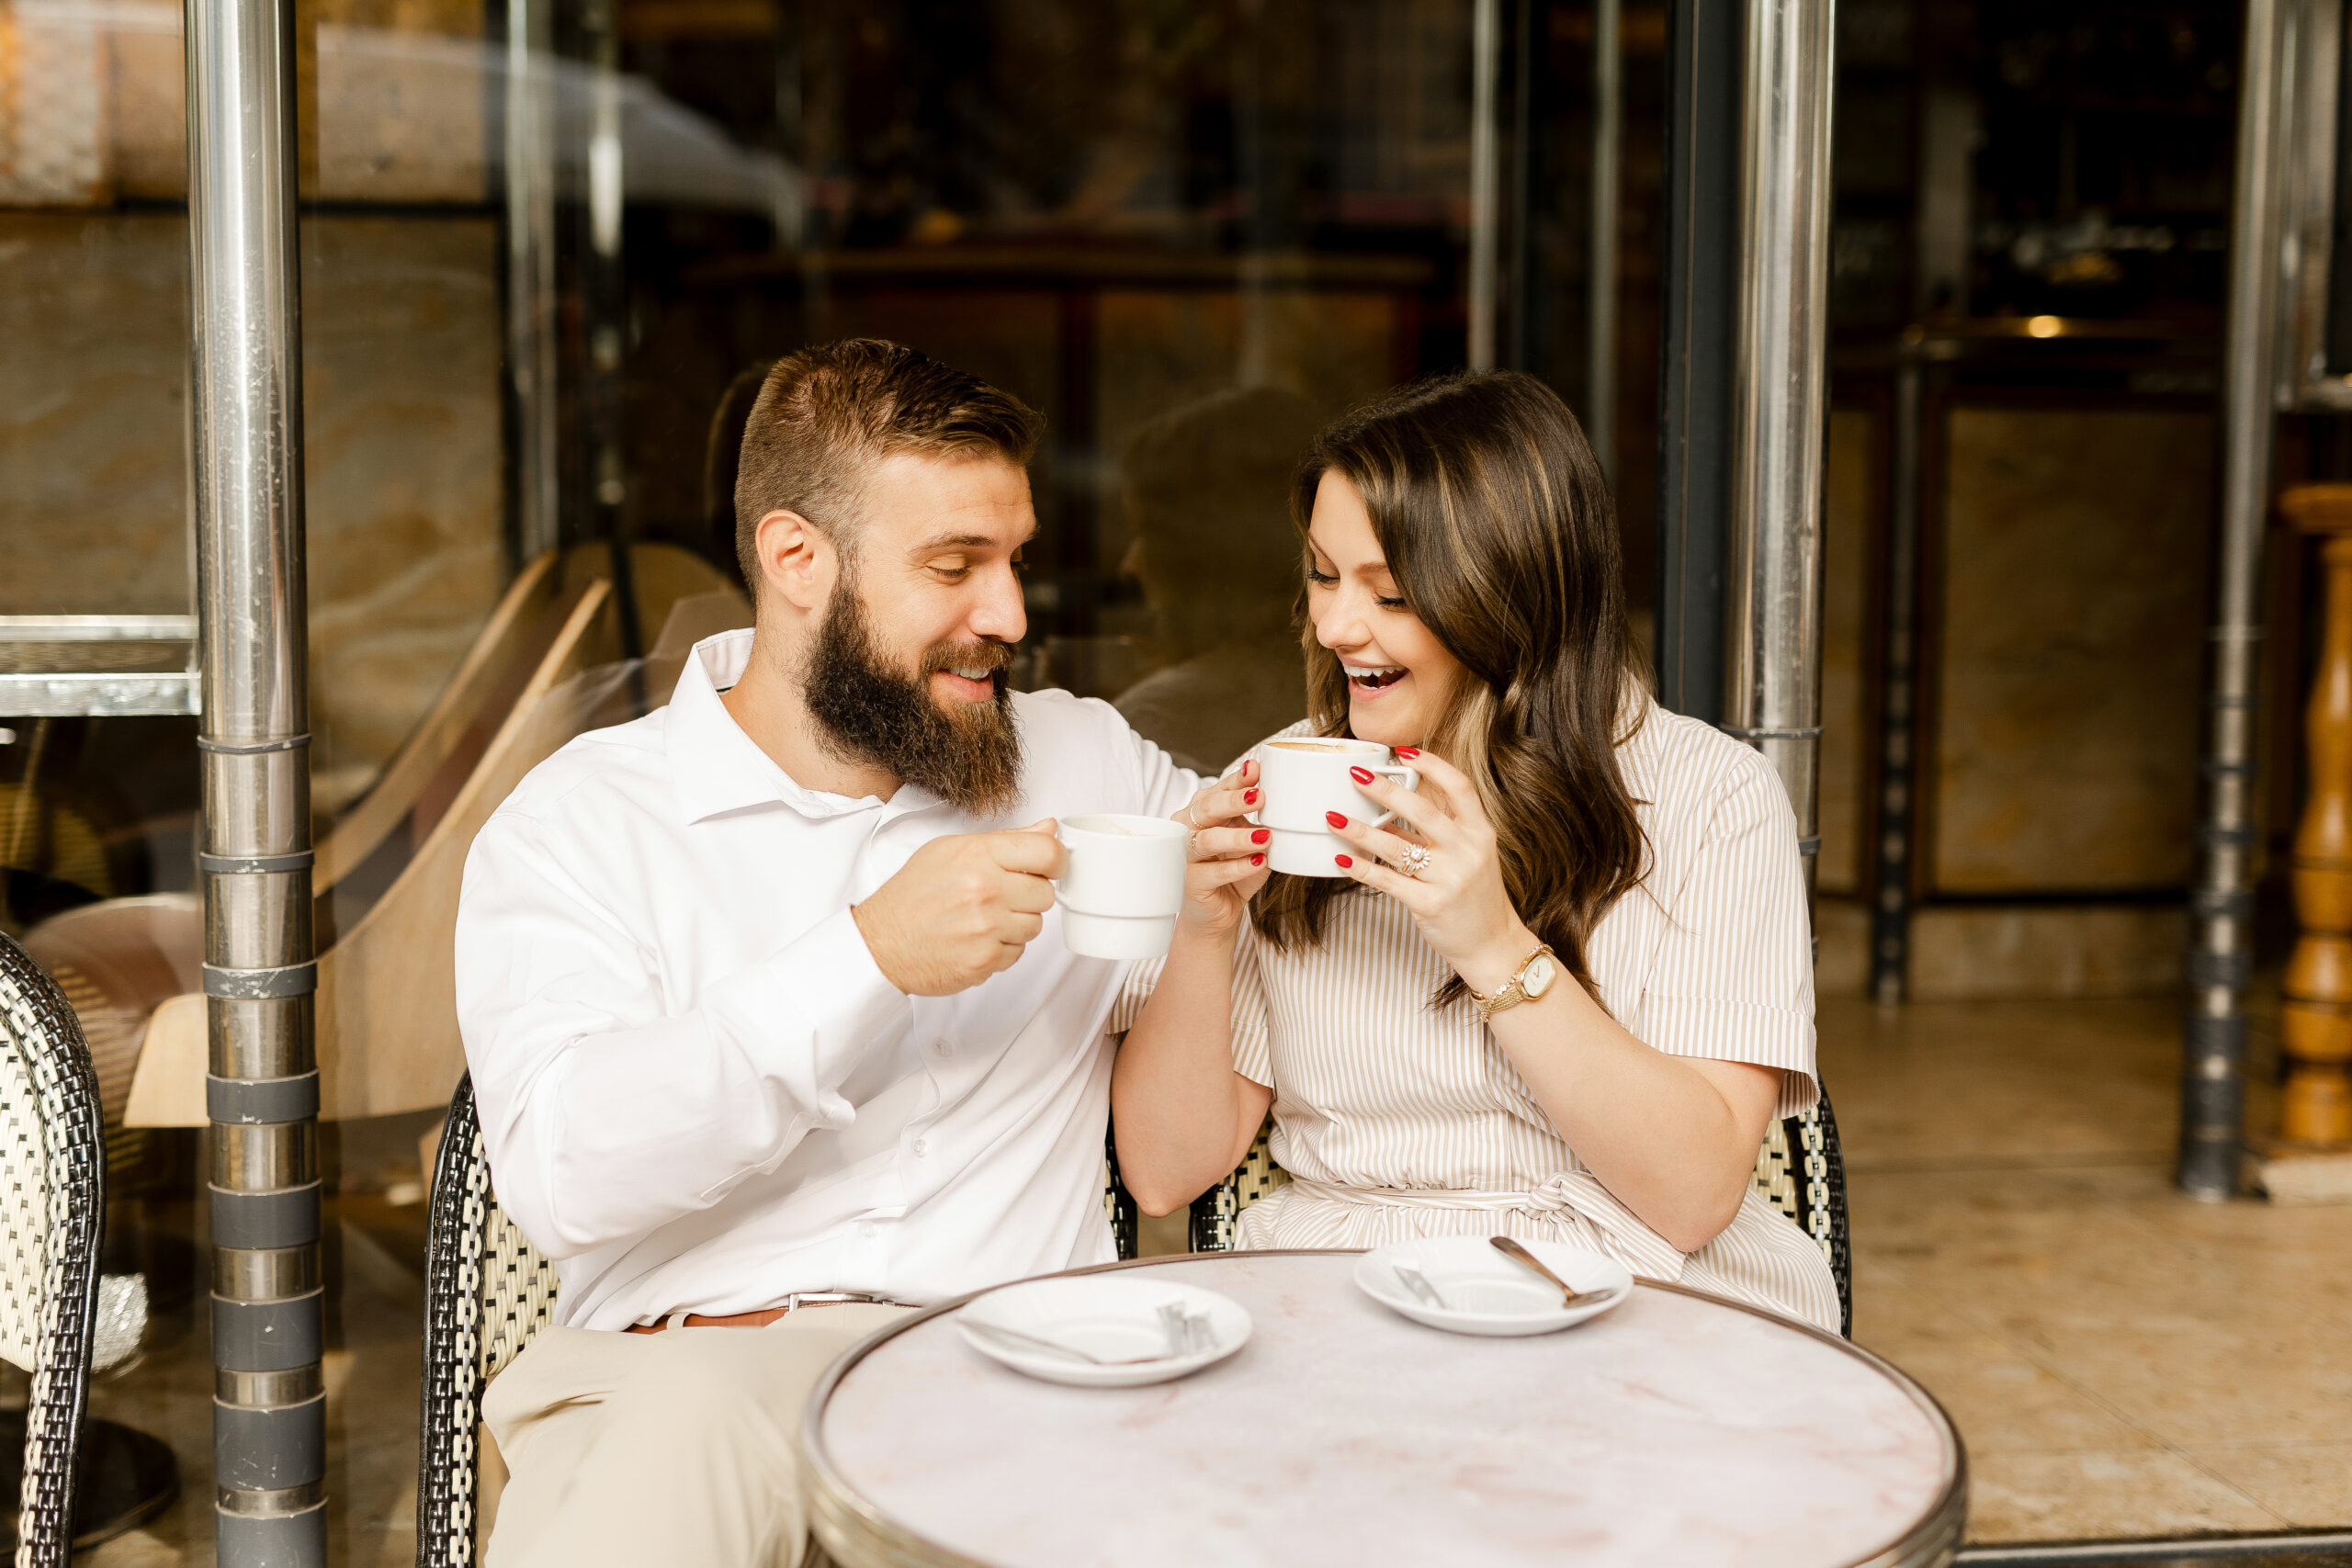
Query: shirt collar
(715, 767)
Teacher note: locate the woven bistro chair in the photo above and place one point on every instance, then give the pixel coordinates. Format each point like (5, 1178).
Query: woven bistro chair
(1800, 1171)
(488, 1292)
(52, 1192)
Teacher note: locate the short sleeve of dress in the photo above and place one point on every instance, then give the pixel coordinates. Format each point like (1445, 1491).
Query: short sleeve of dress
(1252, 1054)
(1136, 990)
(1732, 978)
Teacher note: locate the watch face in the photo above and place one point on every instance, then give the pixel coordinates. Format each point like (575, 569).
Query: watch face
(1537, 977)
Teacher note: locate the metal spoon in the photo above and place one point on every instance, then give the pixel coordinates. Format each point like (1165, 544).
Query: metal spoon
(1058, 1349)
(1569, 1295)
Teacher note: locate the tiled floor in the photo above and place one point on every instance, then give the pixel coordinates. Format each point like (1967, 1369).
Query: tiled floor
(2121, 1361)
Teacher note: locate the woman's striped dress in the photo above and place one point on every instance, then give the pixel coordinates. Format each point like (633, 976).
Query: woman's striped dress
(1395, 1120)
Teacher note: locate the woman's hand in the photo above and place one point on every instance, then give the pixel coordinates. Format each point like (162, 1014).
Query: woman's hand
(1458, 900)
(1227, 856)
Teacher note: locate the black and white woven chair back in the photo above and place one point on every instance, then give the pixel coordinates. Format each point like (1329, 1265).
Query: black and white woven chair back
(52, 1189)
(1800, 1171)
(488, 1292)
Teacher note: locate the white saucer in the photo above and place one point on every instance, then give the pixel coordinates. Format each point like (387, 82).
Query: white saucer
(1485, 1292)
(1103, 1314)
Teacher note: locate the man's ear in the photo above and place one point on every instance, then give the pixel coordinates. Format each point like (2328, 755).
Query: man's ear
(798, 562)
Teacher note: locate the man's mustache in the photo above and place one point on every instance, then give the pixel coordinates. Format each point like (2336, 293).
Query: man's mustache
(992, 656)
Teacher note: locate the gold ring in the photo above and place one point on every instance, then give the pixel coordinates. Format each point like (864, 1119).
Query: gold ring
(1193, 806)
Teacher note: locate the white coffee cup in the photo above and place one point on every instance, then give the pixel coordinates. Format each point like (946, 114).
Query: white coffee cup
(1125, 886)
(1304, 777)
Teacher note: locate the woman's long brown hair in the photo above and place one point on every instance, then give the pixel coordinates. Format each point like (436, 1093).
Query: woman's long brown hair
(1498, 526)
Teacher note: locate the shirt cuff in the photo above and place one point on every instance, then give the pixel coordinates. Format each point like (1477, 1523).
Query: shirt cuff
(806, 1015)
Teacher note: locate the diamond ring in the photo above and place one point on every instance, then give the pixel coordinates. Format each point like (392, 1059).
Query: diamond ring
(1416, 861)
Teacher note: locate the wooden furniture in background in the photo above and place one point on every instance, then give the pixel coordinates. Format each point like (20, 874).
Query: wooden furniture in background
(546, 665)
(2315, 1021)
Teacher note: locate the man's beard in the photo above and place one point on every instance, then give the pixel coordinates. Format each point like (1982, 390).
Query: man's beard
(869, 712)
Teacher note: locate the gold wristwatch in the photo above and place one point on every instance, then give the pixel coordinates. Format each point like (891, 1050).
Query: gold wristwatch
(1534, 977)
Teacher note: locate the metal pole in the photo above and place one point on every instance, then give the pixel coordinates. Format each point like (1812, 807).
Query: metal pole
(269, 1406)
(1486, 72)
(530, 272)
(604, 296)
(1253, 270)
(1780, 405)
(1699, 311)
(1891, 888)
(1600, 272)
(2221, 952)
(1530, 180)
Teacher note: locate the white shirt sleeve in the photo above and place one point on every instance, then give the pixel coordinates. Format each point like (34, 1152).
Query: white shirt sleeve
(1162, 787)
(606, 1111)
(1154, 785)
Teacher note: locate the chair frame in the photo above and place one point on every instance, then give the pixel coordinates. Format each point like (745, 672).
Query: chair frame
(472, 1253)
(41, 1029)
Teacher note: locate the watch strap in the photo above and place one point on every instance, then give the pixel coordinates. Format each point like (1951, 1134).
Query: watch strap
(1512, 992)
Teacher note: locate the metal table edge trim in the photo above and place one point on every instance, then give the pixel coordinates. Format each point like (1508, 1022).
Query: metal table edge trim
(854, 1533)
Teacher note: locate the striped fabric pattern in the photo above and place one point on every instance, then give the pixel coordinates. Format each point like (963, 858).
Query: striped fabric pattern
(1397, 1121)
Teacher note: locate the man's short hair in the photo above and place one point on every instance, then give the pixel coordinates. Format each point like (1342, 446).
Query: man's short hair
(826, 414)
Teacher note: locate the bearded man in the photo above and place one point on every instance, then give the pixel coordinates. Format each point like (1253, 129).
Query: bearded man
(772, 1029)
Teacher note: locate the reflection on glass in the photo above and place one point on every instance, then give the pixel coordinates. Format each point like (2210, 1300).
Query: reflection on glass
(548, 250)
(1207, 489)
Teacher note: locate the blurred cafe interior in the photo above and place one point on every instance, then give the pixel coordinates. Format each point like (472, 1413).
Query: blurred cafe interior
(2082, 617)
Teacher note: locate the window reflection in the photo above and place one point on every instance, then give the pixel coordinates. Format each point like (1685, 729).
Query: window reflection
(548, 248)
(1207, 492)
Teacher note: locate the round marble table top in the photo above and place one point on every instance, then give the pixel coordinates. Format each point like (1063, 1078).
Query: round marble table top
(1677, 1429)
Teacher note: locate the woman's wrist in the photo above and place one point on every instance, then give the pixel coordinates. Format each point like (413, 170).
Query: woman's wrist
(1492, 967)
(1206, 939)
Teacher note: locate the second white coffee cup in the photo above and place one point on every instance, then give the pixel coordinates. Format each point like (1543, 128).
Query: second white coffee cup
(1305, 777)
(1125, 886)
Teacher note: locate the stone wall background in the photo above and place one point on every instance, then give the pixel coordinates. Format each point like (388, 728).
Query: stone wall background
(402, 353)
(2075, 570)
(390, 98)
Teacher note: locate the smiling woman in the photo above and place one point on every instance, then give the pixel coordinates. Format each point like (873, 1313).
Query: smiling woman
(1463, 593)
(1379, 643)
(1397, 1012)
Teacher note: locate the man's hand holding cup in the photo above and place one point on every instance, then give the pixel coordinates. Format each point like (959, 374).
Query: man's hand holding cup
(962, 908)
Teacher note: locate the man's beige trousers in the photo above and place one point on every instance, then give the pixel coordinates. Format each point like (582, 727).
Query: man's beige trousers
(630, 1449)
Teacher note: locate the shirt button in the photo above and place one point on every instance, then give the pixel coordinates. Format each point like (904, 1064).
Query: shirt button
(941, 1048)
(921, 1147)
(868, 1230)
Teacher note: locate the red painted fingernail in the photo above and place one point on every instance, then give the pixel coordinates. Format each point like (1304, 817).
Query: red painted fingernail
(1249, 797)
(1257, 860)
(1344, 860)
(1408, 750)
(1360, 775)
(1261, 835)
(1334, 819)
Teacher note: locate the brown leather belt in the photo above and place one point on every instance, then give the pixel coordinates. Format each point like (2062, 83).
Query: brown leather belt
(766, 1315)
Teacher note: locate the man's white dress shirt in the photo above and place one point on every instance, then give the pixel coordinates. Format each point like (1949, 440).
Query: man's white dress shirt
(697, 1091)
